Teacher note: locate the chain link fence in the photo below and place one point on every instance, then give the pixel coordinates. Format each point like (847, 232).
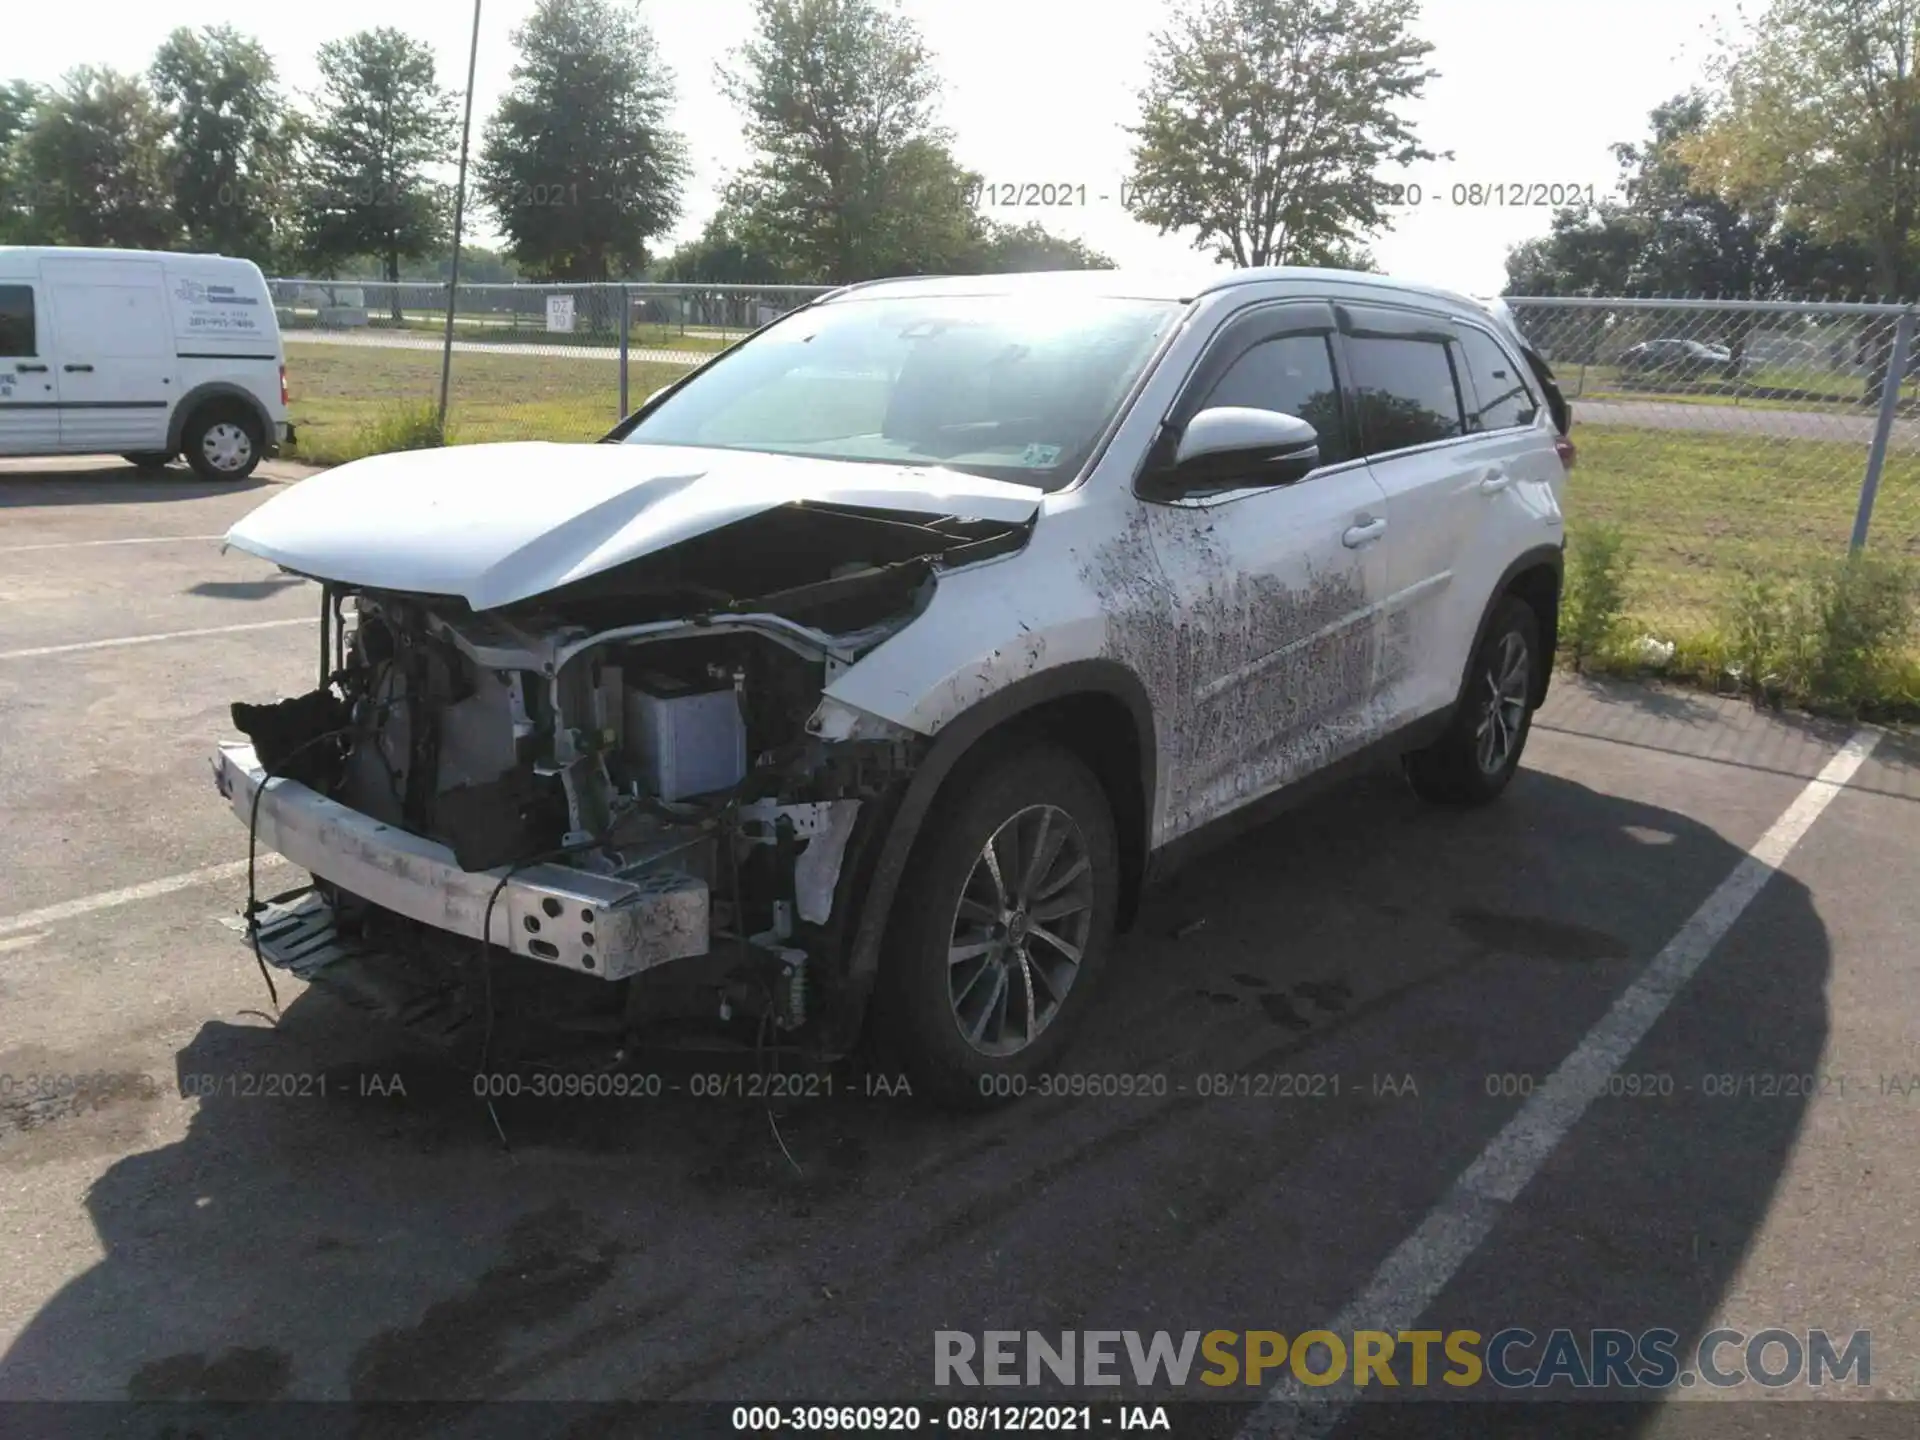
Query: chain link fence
(1719, 435)
(530, 362)
(1727, 436)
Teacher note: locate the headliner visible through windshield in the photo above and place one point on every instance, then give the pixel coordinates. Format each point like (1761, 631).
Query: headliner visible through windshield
(1012, 387)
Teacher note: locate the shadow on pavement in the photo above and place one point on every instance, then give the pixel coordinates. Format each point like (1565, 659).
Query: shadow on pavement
(376, 1245)
(114, 482)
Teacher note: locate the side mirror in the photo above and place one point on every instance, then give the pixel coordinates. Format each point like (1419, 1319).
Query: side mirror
(1232, 446)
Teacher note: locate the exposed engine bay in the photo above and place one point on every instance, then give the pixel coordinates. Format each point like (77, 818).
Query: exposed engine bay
(657, 731)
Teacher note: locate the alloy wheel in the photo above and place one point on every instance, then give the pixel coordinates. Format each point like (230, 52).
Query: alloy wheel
(1504, 704)
(1020, 930)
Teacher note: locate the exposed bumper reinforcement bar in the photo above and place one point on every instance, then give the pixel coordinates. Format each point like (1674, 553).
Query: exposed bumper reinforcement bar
(594, 924)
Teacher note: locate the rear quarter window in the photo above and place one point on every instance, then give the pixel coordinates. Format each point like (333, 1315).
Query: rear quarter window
(1502, 399)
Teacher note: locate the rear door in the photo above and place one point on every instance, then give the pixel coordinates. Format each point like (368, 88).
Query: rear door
(113, 351)
(29, 394)
(1409, 390)
(1281, 656)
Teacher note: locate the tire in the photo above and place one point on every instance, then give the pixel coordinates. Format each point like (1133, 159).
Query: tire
(150, 460)
(1022, 801)
(1470, 764)
(223, 442)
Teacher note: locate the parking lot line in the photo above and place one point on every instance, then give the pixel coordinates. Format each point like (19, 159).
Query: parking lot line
(146, 890)
(78, 645)
(91, 544)
(1412, 1277)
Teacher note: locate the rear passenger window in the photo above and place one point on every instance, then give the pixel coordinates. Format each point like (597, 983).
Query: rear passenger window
(1406, 392)
(1294, 375)
(1503, 399)
(16, 320)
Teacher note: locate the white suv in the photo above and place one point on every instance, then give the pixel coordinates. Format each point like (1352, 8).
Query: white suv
(863, 677)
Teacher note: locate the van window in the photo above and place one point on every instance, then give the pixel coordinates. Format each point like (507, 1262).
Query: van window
(16, 320)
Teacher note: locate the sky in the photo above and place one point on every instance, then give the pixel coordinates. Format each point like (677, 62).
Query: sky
(1529, 93)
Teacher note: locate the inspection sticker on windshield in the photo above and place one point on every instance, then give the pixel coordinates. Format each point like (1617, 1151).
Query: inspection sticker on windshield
(1040, 456)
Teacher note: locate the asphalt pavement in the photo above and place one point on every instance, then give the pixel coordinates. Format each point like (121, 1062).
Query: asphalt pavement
(1368, 1037)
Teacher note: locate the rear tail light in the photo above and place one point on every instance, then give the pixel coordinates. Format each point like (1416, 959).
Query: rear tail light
(284, 396)
(1563, 447)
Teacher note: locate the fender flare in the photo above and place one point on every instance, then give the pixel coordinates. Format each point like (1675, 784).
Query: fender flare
(215, 390)
(1552, 557)
(951, 744)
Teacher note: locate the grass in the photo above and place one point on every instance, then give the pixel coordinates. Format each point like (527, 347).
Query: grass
(531, 330)
(1776, 389)
(343, 396)
(1697, 508)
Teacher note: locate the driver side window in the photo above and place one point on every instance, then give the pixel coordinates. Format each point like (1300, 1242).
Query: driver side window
(1294, 375)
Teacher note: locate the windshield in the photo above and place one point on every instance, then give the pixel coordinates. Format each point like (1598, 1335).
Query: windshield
(1014, 388)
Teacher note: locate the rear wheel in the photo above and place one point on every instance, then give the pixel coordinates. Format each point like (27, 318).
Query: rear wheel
(1475, 759)
(223, 442)
(1000, 928)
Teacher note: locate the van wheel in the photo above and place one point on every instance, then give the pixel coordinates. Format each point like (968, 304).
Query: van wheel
(1473, 761)
(223, 442)
(1000, 929)
(149, 460)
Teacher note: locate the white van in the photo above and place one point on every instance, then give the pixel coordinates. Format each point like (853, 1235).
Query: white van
(141, 354)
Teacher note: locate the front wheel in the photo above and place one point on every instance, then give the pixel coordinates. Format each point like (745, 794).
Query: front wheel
(1000, 929)
(1475, 759)
(223, 443)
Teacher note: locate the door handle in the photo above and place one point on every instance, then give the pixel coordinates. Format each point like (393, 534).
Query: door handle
(1494, 481)
(25, 369)
(1364, 533)
(71, 368)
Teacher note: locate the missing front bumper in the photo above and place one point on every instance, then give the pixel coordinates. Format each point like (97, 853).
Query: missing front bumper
(600, 925)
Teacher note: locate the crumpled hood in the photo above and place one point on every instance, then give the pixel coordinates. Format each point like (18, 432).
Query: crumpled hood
(495, 524)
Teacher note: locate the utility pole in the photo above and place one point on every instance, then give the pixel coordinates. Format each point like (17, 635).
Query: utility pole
(459, 208)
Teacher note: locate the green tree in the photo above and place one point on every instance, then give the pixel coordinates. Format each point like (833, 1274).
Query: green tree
(853, 178)
(1667, 231)
(1007, 248)
(19, 102)
(719, 256)
(232, 141)
(579, 164)
(1265, 124)
(1820, 114)
(95, 164)
(381, 121)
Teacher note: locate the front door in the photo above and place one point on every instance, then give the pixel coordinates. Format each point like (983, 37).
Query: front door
(113, 353)
(29, 394)
(1280, 662)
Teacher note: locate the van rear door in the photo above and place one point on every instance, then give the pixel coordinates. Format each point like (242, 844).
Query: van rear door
(29, 409)
(112, 353)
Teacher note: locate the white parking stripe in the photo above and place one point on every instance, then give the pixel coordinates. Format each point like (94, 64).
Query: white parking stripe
(1413, 1276)
(87, 904)
(79, 645)
(90, 544)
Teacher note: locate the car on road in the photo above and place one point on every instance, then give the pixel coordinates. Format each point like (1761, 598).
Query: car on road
(848, 694)
(143, 354)
(1677, 359)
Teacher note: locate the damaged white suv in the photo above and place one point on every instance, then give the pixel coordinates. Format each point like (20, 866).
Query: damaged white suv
(856, 684)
